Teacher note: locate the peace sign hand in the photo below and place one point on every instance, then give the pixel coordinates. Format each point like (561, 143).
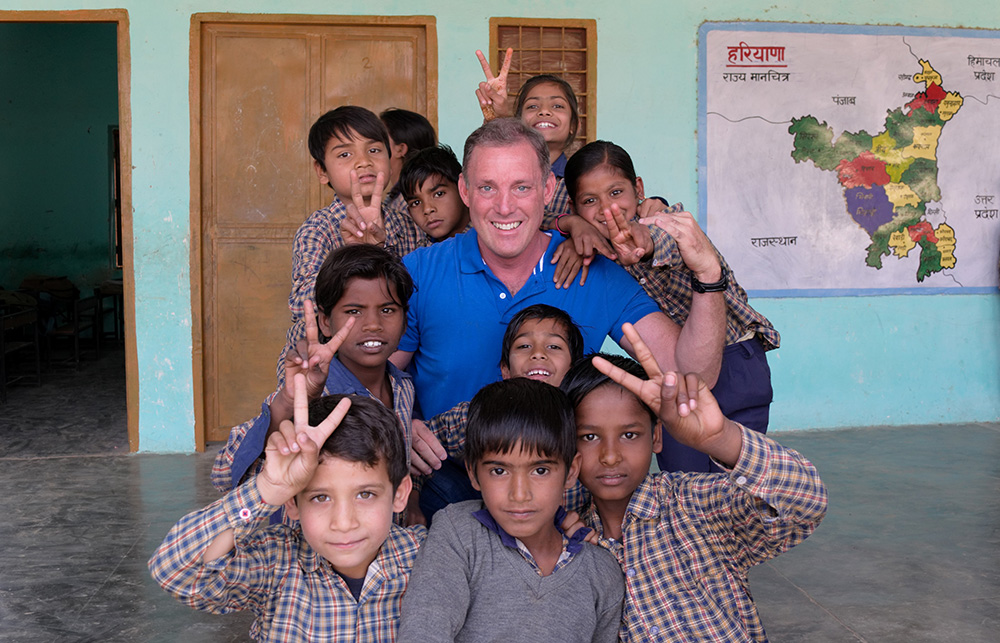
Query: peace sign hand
(364, 223)
(492, 92)
(292, 452)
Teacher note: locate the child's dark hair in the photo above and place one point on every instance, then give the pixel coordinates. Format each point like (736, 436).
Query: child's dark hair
(363, 261)
(583, 377)
(567, 89)
(519, 410)
(438, 160)
(368, 434)
(409, 127)
(542, 311)
(345, 122)
(594, 155)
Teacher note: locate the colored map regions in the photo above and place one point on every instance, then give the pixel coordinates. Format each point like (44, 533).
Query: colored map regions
(888, 179)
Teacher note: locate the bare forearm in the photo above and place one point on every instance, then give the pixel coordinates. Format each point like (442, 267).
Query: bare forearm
(703, 337)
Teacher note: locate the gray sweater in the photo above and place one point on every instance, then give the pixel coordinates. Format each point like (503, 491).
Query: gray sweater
(468, 586)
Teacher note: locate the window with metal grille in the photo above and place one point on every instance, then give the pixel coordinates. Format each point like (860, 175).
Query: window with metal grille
(566, 48)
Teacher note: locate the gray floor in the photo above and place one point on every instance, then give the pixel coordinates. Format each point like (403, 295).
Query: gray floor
(908, 552)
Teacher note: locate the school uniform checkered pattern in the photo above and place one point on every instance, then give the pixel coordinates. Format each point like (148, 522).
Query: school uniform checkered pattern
(318, 236)
(689, 539)
(558, 205)
(273, 572)
(667, 280)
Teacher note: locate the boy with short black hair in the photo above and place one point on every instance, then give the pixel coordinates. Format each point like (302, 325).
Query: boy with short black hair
(686, 541)
(409, 132)
(502, 569)
(363, 293)
(351, 153)
(341, 572)
(429, 184)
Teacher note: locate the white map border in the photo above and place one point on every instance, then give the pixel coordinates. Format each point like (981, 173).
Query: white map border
(876, 30)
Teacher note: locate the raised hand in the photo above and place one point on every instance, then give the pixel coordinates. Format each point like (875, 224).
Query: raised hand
(696, 250)
(492, 92)
(311, 358)
(683, 403)
(630, 240)
(427, 453)
(364, 223)
(292, 452)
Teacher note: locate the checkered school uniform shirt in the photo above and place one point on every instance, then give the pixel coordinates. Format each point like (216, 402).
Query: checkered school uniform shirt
(273, 572)
(689, 539)
(319, 235)
(667, 281)
(558, 205)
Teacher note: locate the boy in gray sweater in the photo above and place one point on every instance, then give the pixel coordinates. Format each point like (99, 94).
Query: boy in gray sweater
(501, 568)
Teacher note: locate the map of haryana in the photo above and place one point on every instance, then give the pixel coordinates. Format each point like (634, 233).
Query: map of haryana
(851, 159)
(889, 178)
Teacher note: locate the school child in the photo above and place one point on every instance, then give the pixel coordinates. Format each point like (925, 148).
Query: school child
(362, 292)
(541, 343)
(686, 541)
(339, 574)
(606, 191)
(351, 153)
(429, 185)
(409, 132)
(501, 568)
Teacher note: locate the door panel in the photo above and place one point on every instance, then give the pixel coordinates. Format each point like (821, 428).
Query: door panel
(262, 85)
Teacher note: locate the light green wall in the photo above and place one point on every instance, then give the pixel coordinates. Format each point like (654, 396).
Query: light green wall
(58, 97)
(876, 360)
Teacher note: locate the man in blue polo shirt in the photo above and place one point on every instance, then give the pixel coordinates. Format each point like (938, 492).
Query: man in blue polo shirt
(467, 288)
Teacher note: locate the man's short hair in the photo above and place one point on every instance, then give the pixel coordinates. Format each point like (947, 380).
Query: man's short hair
(345, 122)
(439, 160)
(583, 377)
(534, 414)
(368, 434)
(505, 132)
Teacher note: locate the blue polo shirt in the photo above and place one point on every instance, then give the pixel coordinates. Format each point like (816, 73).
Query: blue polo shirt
(460, 310)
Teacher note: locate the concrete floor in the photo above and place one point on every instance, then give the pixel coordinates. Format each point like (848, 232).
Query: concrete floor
(909, 551)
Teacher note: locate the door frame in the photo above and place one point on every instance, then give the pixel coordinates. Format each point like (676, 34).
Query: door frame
(429, 23)
(120, 18)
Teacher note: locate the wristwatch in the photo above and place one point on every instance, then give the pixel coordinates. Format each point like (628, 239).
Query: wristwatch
(715, 286)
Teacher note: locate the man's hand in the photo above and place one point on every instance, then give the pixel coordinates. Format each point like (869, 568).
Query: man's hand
(426, 454)
(696, 250)
(364, 223)
(492, 93)
(683, 403)
(630, 240)
(292, 452)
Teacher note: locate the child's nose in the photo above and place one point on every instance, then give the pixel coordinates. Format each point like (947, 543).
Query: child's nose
(610, 455)
(519, 489)
(343, 517)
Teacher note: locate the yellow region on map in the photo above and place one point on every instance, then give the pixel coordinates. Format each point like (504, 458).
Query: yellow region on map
(924, 145)
(895, 170)
(901, 243)
(945, 244)
(884, 147)
(928, 76)
(949, 106)
(901, 194)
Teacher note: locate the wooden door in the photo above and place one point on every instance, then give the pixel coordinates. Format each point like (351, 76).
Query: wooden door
(260, 86)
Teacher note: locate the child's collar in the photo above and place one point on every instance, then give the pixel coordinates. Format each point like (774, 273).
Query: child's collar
(573, 545)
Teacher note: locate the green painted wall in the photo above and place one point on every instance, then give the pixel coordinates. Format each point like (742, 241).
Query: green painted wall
(872, 360)
(58, 96)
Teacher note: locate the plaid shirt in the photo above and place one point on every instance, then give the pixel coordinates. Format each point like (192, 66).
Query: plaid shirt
(318, 236)
(689, 539)
(272, 571)
(339, 380)
(667, 280)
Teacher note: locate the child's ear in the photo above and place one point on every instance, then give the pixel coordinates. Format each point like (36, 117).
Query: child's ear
(321, 172)
(325, 326)
(657, 437)
(472, 477)
(573, 472)
(292, 508)
(399, 150)
(505, 371)
(639, 190)
(402, 494)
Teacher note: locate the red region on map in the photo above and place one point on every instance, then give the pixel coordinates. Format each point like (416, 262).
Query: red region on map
(929, 99)
(922, 230)
(864, 170)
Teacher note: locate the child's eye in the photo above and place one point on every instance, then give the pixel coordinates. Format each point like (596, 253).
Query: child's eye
(343, 155)
(413, 204)
(586, 437)
(554, 347)
(630, 435)
(589, 201)
(541, 471)
(497, 471)
(320, 497)
(616, 192)
(439, 194)
(365, 495)
(389, 310)
(375, 150)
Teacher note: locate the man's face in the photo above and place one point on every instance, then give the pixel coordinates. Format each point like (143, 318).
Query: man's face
(506, 194)
(346, 512)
